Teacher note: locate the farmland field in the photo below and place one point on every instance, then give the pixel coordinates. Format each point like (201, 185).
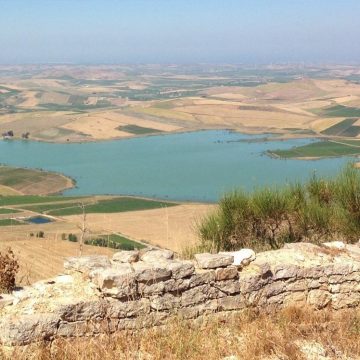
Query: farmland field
(321, 149)
(71, 103)
(28, 181)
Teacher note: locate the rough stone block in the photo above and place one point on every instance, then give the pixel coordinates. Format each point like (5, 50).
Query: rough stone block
(152, 256)
(236, 302)
(213, 261)
(85, 264)
(202, 277)
(6, 299)
(176, 285)
(79, 310)
(145, 272)
(126, 256)
(165, 302)
(181, 269)
(118, 309)
(228, 287)
(318, 298)
(25, 329)
(230, 272)
(119, 281)
(242, 257)
(150, 288)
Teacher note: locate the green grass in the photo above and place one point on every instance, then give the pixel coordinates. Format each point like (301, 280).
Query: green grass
(8, 211)
(44, 208)
(9, 222)
(138, 130)
(14, 176)
(31, 199)
(115, 241)
(319, 149)
(343, 128)
(340, 111)
(113, 206)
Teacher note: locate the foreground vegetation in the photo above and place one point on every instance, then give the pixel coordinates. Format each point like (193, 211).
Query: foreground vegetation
(319, 210)
(287, 334)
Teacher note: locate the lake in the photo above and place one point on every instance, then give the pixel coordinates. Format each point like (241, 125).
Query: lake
(197, 166)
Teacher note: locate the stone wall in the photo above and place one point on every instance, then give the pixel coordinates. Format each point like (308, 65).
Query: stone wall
(136, 290)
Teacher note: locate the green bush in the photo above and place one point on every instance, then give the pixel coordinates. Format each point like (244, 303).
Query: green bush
(316, 211)
(72, 238)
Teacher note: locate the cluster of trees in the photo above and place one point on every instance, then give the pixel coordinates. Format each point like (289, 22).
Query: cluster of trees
(319, 210)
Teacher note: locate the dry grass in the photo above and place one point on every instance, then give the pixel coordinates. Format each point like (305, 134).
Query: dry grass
(42, 258)
(293, 333)
(172, 228)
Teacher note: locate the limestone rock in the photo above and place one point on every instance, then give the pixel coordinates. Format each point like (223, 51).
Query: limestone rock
(165, 302)
(126, 256)
(25, 329)
(6, 299)
(339, 245)
(145, 272)
(81, 310)
(242, 257)
(181, 269)
(230, 272)
(213, 261)
(119, 281)
(85, 264)
(156, 255)
(235, 302)
(118, 309)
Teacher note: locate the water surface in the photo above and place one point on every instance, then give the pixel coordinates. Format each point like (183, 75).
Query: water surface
(198, 166)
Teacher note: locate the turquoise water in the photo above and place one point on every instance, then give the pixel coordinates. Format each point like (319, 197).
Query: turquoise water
(197, 166)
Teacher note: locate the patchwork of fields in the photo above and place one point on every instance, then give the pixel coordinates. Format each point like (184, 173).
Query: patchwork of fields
(111, 222)
(87, 103)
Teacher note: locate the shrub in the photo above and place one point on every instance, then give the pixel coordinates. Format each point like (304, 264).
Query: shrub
(318, 210)
(63, 236)
(40, 234)
(9, 267)
(72, 238)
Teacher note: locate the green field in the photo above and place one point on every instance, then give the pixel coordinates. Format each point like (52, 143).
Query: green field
(320, 149)
(10, 222)
(340, 111)
(102, 206)
(115, 242)
(31, 199)
(138, 130)
(8, 211)
(343, 128)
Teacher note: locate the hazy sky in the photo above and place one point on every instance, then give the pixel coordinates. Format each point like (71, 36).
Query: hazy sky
(183, 31)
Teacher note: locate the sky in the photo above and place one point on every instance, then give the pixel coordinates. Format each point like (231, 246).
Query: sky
(179, 31)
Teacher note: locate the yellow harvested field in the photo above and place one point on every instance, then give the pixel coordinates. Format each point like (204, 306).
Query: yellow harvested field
(346, 99)
(231, 96)
(30, 99)
(54, 97)
(338, 88)
(103, 125)
(210, 101)
(323, 124)
(42, 258)
(172, 228)
(294, 109)
(5, 190)
(164, 113)
(96, 128)
(233, 116)
(132, 120)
